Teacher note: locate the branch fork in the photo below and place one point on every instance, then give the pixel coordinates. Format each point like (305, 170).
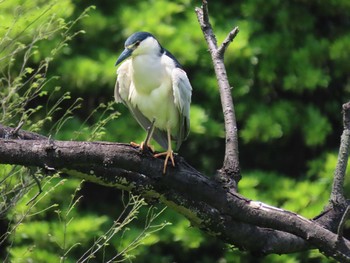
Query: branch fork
(229, 174)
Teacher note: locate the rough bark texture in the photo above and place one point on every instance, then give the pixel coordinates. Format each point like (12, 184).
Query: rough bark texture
(209, 205)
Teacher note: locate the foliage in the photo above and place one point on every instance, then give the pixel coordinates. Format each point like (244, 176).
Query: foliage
(44, 226)
(289, 77)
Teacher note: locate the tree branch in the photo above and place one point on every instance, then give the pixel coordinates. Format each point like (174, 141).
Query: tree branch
(337, 194)
(230, 37)
(247, 224)
(345, 216)
(229, 174)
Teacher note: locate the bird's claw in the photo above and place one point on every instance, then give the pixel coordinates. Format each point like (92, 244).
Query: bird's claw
(142, 146)
(168, 154)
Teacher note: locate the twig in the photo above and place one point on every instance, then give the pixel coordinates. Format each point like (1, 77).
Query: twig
(229, 174)
(19, 126)
(337, 194)
(205, 12)
(340, 230)
(230, 37)
(38, 193)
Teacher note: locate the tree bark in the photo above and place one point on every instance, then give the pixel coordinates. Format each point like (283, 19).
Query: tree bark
(247, 224)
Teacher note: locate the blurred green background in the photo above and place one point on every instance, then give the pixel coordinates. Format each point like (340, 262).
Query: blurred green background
(289, 68)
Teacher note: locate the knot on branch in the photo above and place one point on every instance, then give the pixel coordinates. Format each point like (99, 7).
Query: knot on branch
(228, 178)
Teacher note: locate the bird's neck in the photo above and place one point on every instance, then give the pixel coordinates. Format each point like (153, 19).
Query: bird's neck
(147, 72)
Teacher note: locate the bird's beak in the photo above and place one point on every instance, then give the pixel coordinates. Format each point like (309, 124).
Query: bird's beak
(124, 55)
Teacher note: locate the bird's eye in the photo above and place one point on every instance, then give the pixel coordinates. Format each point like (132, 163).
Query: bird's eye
(137, 43)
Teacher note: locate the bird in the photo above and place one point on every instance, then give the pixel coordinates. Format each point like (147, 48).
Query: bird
(156, 90)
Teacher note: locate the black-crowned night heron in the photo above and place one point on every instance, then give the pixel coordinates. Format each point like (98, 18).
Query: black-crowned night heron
(152, 84)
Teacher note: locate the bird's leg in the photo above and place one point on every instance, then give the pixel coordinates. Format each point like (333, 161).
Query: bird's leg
(168, 154)
(149, 135)
(150, 131)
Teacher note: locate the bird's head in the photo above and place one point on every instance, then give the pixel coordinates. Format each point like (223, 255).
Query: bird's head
(139, 43)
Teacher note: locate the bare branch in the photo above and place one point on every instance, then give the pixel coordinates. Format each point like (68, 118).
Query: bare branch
(229, 174)
(205, 12)
(230, 37)
(231, 217)
(342, 223)
(337, 194)
(19, 126)
(39, 190)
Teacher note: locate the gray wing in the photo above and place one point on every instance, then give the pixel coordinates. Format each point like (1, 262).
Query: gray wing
(122, 95)
(182, 92)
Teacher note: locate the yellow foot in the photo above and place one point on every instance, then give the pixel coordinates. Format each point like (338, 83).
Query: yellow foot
(168, 154)
(142, 146)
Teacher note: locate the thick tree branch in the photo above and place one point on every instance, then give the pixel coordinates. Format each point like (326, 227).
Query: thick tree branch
(206, 203)
(229, 174)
